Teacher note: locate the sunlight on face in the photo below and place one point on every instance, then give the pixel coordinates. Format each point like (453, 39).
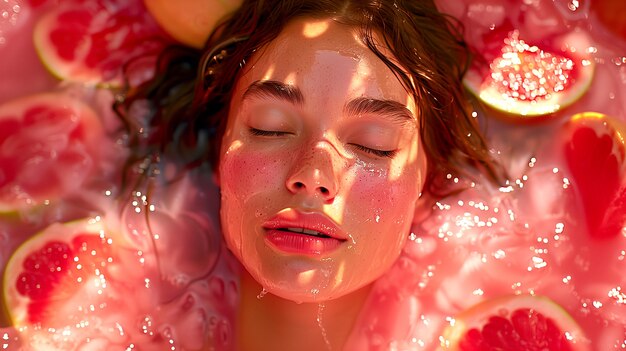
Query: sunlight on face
(313, 29)
(321, 164)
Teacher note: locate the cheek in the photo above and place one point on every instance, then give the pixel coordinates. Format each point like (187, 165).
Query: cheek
(245, 172)
(381, 212)
(383, 201)
(248, 179)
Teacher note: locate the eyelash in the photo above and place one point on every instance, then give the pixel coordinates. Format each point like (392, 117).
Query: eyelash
(375, 152)
(260, 132)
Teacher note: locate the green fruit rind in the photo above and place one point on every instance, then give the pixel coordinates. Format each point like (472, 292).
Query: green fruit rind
(92, 129)
(490, 95)
(15, 304)
(477, 316)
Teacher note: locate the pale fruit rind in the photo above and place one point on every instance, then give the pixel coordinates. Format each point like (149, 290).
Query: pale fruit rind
(477, 316)
(17, 305)
(77, 110)
(594, 147)
(60, 69)
(577, 44)
(593, 119)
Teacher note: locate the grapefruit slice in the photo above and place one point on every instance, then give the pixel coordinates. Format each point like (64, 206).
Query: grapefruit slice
(90, 41)
(520, 322)
(71, 284)
(190, 21)
(530, 80)
(595, 152)
(48, 146)
(53, 277)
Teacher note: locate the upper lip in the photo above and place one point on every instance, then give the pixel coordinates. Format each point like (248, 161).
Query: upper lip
(314, 221)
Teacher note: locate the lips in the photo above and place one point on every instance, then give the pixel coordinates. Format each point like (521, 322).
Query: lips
(298, 232)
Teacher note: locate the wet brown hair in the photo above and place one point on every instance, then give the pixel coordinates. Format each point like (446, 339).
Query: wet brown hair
(188, 100)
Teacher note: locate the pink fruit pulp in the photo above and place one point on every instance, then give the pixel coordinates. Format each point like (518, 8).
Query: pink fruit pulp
(595, 171)
(56, 269)
(528, 73)
(44, 134)
(516, 77)
(525, 330)
(91, 42)
(594, 324)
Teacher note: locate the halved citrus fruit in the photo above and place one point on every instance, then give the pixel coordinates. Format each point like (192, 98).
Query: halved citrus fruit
(595, 152)
(533, 80)
(190, 21)
(48, 146)
(519, 322)
(90, 41)
(72, 283)
(53, 278)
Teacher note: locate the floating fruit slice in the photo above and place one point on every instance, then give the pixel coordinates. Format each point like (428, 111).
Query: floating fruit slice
(71, 284)
(515, 323)
(529, 80)
(53, 278)
(48, 146)
(595, 152)
(91, 41)
(190, 21)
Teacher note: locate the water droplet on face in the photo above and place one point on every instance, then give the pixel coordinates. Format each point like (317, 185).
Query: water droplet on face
(320, 314)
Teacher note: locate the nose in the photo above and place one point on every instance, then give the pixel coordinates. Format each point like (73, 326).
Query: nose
(314, 172)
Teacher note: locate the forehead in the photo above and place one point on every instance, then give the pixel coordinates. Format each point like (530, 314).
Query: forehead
(325, 56)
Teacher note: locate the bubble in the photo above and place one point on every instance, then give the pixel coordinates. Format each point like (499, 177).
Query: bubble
(262, 294)
(146, 325)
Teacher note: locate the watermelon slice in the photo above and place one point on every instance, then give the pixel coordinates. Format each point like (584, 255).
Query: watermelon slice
(48, 147)
(533, 80)
(595, 151)
(90, 41)
(515, 323)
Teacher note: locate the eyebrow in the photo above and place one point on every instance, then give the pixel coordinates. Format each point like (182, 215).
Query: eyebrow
(391, 108)
(358, 106)
(276, 90)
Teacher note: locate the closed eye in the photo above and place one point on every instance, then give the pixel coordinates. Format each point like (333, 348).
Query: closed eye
(260, 132)
(376, 152)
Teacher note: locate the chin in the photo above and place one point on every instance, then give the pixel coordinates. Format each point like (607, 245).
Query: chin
(301, 283)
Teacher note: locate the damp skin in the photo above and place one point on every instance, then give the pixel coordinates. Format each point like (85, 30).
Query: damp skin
(302, 136)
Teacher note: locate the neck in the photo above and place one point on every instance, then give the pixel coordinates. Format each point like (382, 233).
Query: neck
(273, 323)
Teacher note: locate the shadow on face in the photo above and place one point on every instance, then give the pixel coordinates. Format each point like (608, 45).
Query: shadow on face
(321, 164)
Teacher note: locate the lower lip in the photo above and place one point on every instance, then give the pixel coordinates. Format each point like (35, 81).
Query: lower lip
(301, 243)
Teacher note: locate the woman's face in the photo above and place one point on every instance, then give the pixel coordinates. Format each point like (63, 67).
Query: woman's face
(321, 164)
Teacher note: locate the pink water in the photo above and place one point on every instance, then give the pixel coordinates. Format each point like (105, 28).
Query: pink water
(173, 286)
